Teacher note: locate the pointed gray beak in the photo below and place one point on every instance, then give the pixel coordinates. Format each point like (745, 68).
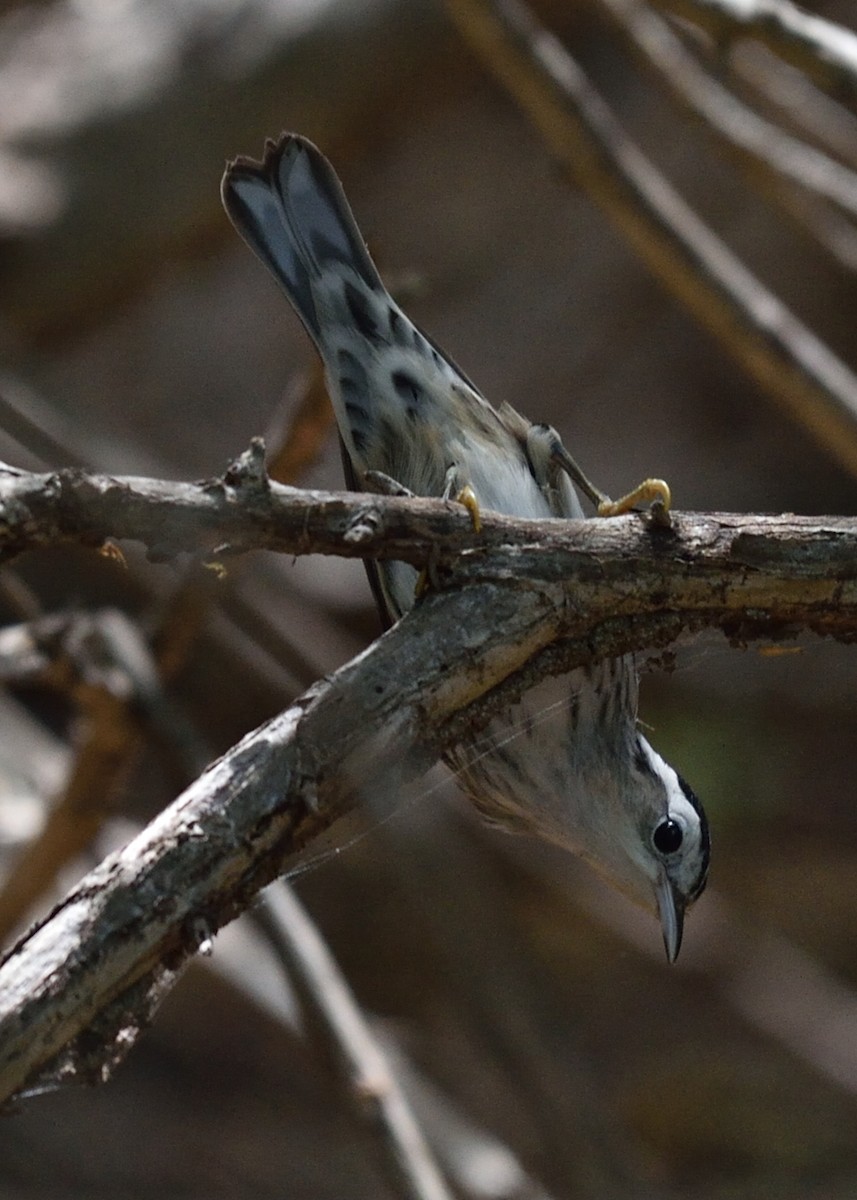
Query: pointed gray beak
(671, 910)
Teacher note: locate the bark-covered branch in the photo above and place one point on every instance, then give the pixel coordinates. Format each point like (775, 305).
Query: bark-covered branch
(557, 594)
(240, 511)
(705, 568)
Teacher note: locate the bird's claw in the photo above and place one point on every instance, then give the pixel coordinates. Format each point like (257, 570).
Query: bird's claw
(655, 492)
(467, 496)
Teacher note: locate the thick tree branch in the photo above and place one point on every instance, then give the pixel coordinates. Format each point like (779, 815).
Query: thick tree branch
(719, 565)
(557, 594)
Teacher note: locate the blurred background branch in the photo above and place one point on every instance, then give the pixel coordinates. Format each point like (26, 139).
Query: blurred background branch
(776, 159)
(583, 134)
(824, 49)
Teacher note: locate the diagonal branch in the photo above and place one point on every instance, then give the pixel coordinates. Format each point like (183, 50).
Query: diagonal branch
(374, 1086)
(822, 48)
(558, 594)
(381, 718)
(767, 153)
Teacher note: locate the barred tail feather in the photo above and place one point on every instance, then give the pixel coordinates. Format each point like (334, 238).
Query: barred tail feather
(291, 211)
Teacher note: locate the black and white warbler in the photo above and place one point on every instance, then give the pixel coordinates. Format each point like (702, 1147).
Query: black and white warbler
(567, 761)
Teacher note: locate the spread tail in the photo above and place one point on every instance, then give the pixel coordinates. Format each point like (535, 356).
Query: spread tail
(291, 211)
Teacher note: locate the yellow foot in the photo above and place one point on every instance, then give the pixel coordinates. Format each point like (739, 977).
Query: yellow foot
(467, 497)
(543, 441)
(464, 494)
(651, 491)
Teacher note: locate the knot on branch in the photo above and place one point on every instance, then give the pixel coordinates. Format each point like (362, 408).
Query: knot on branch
(363, 525)
(248, 473)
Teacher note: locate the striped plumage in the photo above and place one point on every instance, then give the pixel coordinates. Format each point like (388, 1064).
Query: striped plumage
(568, 761)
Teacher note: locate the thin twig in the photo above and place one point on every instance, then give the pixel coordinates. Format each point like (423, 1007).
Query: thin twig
(483, 1167)
(101, 764)
(753, 324)
(372, 1080)
(38, 427)
(451, 881)
(480, 1165)
(100, 684)
(104, 664)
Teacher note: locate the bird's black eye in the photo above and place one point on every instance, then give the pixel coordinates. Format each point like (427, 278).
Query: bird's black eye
(668, 836)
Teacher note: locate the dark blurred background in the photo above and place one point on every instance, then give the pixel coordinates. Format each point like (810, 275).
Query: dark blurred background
(138, 335)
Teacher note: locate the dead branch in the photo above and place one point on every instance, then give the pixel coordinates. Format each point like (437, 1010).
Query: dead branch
(720, 565)
(241, 511)
(558, 594)
(205, 858)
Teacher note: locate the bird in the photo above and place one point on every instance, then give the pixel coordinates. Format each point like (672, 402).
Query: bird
(567, 761)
